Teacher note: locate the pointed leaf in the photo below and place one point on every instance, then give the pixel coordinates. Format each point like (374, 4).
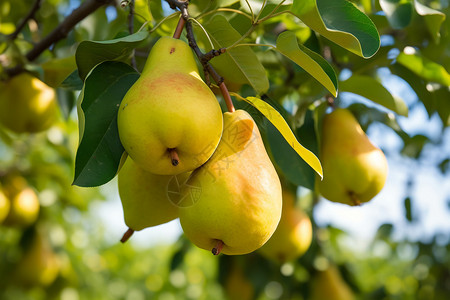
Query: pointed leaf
(423, 67)
(91, 53)
(398, 12)
(100, 150)
(373, 90)
(341, 22)
(238, 65)
(433, 19)
(280, 124)
(310, 61)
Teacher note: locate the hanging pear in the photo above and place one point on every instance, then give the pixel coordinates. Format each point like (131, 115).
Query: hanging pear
(293, 235)
(354, 169)
(147, 199)
(232, 204)
(169, 121)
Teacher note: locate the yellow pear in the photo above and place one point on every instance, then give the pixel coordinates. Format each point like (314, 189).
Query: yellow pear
(27, 104)
(148, 199)
(329, 285)
(24, 209)
(39, 264)
(354, 169)
(232, 204)
(4, 206)
(169, 121)
(293, 235)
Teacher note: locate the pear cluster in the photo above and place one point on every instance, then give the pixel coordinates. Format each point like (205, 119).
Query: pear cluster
(187, 160)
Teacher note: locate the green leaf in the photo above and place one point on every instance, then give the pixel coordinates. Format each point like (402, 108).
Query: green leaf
(341, 22)
(433, 19)
(280, 124)
(293, 166)
(398, 12)
(238, 65)
(373, 90)
(72, 82)
(423, 67)
(91, 53)
(309, 60)
(100, 150)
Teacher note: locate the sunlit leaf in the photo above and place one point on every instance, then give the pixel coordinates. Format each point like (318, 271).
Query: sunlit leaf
(423, 67)
(373, 90)
(341, 22)
(310, 61)
(280, 123)
(238, 65)
(100, 150)
(398, 12)
(433, 19)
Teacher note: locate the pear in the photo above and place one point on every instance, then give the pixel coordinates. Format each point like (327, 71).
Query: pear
(170, 121)
(237, 285)
(39, 264)
(293, 235)
(4, 206)
(27, 104)
(24, 209)
(354, 169)
(148, 199)
(329, 285)
(233, 202)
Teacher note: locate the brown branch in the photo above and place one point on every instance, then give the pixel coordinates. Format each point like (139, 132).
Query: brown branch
(179, 29)
(131, 29)
(61, 31)
(31, 13)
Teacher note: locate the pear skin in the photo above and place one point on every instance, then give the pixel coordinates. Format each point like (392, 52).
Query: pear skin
(169, 121)
(293, 235)
(354, 169)
(329, 285)
(27, 104)
(233, 202)
(147, 199)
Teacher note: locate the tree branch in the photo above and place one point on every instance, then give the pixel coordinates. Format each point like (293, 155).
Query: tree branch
(131, 29)
(33, 10)
(60, 32)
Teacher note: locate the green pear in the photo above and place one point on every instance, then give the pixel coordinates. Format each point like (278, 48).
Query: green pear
(4, 206)
(354, 169)
(147, 199)
(27, 104)
(329, 285)
(39, 264)
(25, 207)
(293, 235)
(233, 202)
(169, 121)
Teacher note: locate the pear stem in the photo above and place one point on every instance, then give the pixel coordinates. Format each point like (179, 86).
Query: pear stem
(179, 29)
(355, 200)
(218, 248)
(174, 157)
(227, 97)
(126, 236)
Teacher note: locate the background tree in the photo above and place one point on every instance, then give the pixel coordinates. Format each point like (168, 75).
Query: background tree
(386, 61)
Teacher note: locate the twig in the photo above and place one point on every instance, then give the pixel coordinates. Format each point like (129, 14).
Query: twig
(60, 32)
(179, 29)
(131, 29)
(31, 13)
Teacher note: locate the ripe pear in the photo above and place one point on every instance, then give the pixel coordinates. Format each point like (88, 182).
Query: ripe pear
(354, 169)
(293, 235)
(169, 121)
(4, 206)
(39, 264)
(27, 104)
(147, 199)
(329, 285)
(25, 207)
(236, 196)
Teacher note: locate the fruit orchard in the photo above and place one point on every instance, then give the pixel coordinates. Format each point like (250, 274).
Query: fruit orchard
(268, 132)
